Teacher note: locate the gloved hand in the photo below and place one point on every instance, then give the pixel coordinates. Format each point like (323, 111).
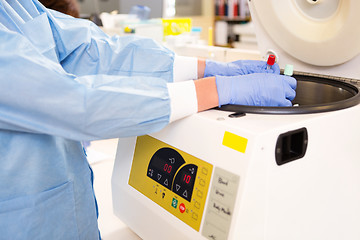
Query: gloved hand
(257, 89)
(240, 67)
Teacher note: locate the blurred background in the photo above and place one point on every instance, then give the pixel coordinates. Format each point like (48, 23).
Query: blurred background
(225, 23)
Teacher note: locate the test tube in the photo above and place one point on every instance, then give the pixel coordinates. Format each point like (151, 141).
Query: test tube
(289, 69)
(270, 61)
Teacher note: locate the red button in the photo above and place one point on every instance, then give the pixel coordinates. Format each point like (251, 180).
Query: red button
(182, 208)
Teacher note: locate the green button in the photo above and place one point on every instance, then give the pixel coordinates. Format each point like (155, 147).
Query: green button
(174, 203)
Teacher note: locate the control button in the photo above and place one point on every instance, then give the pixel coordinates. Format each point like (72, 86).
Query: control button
(151, 172)
(166, 182)
(159, 176)
(199, 194)
(202, 182)
(197, 205)
(182, 208)
(174, 203)
(177, 187)
(204, 171)
(185, 194)
(195, 216)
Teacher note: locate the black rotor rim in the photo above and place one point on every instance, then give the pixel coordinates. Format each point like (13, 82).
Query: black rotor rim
(313, 108)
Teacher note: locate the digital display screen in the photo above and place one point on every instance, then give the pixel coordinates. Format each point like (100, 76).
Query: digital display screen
(164, 164)
(186, 178)
(158, 163)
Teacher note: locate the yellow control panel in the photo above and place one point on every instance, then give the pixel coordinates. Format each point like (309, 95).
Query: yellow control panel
(175, 180)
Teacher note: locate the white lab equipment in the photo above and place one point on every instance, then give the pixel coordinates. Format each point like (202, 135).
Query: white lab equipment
(119, 24)
(272, 173)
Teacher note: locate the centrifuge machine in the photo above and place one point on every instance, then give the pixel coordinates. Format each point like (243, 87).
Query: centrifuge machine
(274, 173)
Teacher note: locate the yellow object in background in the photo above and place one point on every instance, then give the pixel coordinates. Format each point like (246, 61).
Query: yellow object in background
(176, 26)
(210, 36)
(127, 29)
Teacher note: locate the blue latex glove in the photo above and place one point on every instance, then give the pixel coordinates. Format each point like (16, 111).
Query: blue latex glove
(240, 67)
(257, 89)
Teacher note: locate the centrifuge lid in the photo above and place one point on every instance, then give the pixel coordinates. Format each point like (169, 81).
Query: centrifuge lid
(318, 37)
(317, 32)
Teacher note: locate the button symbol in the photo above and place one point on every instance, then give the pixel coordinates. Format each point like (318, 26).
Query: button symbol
(159, 176)
(202, 182)
(151, 172)
(197, 205)
(166, 182)
(177, 187)
(182, 208)
(199, 194)
(172, 160)
(174, 203)
(192, 170)
(185, 194)
(194, 216)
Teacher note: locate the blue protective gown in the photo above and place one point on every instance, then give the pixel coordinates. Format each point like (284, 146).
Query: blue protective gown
(62, 81)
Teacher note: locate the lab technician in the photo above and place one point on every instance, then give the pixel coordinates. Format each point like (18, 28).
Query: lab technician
(69, 7)
(62, 81)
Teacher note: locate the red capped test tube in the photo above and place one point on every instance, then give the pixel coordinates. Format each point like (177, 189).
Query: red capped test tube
(270, 61)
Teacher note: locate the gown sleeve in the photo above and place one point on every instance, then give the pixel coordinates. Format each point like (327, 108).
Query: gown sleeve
(40, 96)
(83, 49)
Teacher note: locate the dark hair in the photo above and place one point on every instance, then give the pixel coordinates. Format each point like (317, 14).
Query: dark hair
(69, 7)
